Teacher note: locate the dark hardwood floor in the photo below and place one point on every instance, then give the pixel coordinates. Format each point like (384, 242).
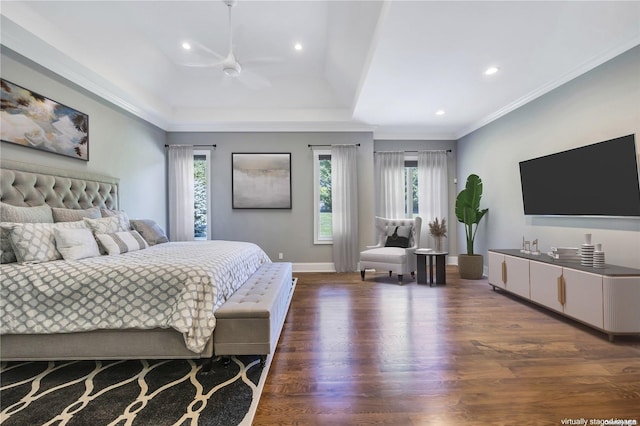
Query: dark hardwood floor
(375, 352)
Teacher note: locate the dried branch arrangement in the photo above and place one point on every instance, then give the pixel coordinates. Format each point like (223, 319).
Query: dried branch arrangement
(438, 228)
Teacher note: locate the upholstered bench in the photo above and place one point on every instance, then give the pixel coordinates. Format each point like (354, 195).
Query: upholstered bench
(250, 321)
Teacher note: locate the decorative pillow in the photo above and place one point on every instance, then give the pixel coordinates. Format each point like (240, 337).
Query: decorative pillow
(38, 214)
(6, 250)
(74, 215)
(13, 214)
(398, 236)
(36, 242)
(111, 213)
(122, 242)
(74, 244)
(150, 231)
(106, 225)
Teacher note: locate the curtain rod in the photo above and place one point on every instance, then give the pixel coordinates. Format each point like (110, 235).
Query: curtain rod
(213, 145)
(426, 150)
(310, 145)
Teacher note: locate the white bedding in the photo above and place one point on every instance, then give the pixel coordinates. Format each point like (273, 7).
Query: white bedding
(177, 285)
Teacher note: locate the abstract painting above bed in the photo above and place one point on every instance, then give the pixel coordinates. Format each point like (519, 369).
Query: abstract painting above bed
(173, 285)
(32, 120)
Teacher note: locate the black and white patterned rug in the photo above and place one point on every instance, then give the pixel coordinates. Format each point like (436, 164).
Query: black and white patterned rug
(134, 392)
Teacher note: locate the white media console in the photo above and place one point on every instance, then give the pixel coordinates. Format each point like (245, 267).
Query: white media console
(607, 299)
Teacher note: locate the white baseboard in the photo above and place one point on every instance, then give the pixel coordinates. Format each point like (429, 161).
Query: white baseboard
(330, 267)
(314, 267)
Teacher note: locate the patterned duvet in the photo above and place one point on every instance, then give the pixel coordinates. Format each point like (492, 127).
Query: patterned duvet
(177, 285)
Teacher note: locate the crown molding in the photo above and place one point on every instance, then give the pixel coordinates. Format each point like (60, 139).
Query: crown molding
(24, 43)
(280, 126)
(576, 72)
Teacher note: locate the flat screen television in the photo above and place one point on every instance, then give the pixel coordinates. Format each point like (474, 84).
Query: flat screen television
(593, 180)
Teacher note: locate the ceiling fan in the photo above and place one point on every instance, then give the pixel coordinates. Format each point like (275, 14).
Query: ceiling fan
(230, 65)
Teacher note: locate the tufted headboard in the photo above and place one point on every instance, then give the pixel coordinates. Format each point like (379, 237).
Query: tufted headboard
(25, 184)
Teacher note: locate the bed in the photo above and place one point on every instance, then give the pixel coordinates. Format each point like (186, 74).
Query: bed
(155, 302)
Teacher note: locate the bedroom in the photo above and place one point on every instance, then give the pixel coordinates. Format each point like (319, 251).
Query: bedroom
(598, 105)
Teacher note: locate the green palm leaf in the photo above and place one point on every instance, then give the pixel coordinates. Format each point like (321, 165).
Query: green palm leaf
(468, 208)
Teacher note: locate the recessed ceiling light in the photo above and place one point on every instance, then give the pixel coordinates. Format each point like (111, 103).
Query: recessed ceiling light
(491, 70)
(297, 46)
(440, 112)
(186, 46)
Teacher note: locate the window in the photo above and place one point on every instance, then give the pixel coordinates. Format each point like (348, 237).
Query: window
(201, 190)
(322, 223)
(411, 186)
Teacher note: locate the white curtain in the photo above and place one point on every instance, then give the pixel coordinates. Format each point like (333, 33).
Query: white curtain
(389, 183)
(181, 196)
(433, 196)
(344, 201)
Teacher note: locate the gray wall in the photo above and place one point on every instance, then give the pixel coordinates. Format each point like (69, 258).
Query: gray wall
(282, 231)
(120, 144)
(599, 105)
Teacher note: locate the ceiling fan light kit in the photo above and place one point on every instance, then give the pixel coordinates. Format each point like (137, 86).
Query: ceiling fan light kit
(231, 68)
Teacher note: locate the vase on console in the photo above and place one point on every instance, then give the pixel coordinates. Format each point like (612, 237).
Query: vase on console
(587, 251)
(598, 257)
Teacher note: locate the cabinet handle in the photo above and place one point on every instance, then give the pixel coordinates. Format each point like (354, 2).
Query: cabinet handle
(561, 292)
(504, 272)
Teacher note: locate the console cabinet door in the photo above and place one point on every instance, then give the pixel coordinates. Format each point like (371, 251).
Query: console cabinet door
(583, 293)
(621, 300)
(546, 285)
(517, 275)
(495, 269)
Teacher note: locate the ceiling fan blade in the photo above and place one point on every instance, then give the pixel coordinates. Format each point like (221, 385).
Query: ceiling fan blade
(264, 60)
(253, 80)
(201, 64)
(200, 56)
(202, 50)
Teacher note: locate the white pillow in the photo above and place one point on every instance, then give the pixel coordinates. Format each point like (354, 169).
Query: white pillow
(122, 242)
(74, 244)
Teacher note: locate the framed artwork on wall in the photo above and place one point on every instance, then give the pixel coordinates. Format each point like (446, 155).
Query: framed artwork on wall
(261, 180)
(32, 120)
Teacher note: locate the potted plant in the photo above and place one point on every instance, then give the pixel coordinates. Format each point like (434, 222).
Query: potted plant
(468, 211)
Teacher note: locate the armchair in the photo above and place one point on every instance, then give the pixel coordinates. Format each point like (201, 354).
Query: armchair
(393, 259)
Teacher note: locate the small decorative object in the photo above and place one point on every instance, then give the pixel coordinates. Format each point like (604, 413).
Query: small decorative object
(438, 230)
(598, 257)
(587, 251)
(535, 251)
(527, 247)
(524, 242)
(261, 181)
(565, 254)
(29, 119)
